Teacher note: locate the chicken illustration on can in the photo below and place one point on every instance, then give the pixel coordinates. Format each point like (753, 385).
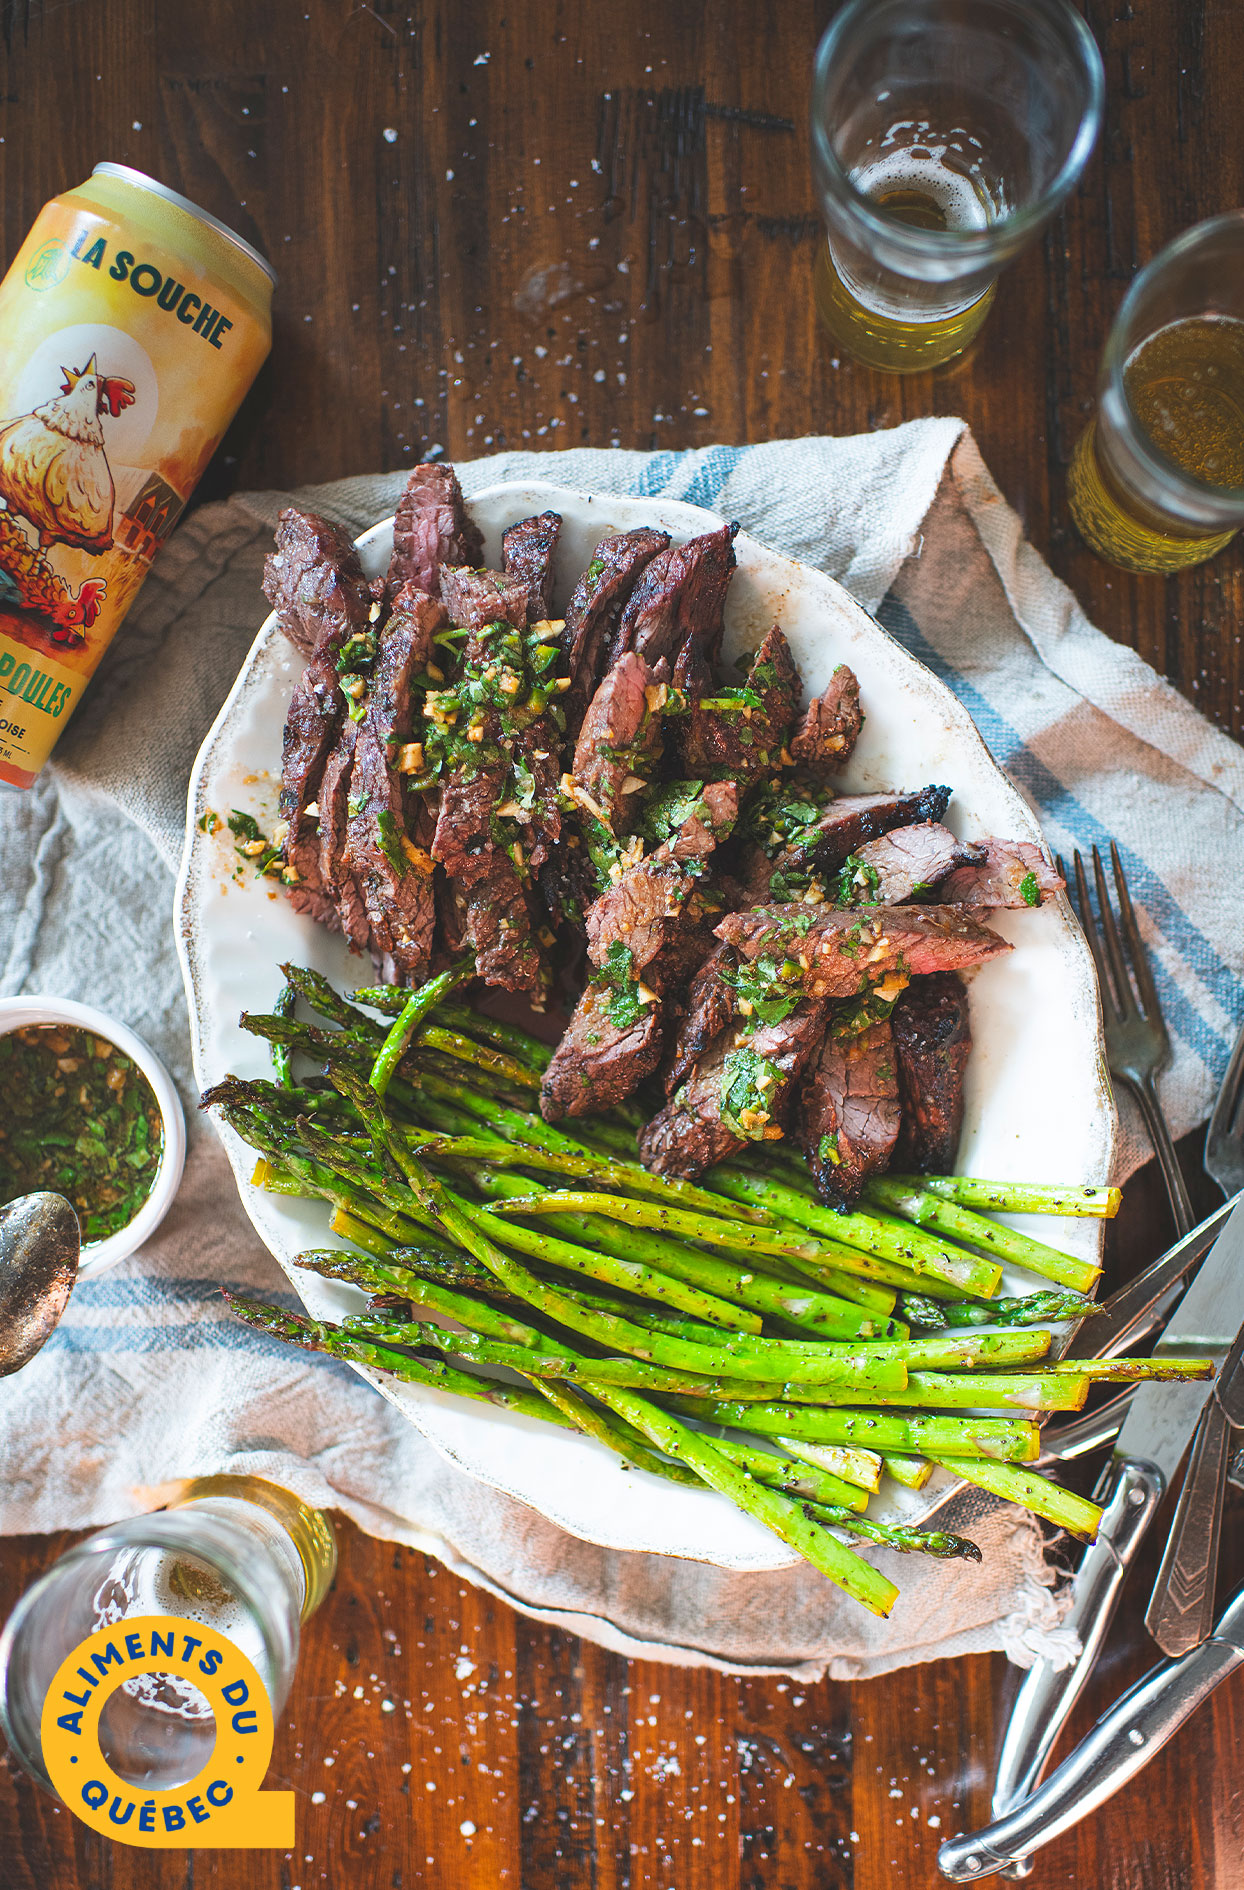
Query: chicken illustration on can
(131, 326)
(54, 473)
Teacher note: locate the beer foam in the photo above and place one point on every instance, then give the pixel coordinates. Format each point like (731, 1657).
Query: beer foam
(922, 167)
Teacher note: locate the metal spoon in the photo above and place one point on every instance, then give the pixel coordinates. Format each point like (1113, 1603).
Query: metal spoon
(40, 1242)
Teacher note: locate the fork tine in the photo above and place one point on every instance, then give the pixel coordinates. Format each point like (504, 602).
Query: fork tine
(1139, 957)
(1124, 995)
(1089, 927)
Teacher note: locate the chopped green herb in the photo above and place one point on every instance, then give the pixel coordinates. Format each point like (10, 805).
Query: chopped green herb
(618, 974)
(1029, 890)
(748, 1085)
(391, 841)
(79, 1118)
(244, 826)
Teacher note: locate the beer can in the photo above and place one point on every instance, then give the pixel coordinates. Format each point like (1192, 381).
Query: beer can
(131, 326)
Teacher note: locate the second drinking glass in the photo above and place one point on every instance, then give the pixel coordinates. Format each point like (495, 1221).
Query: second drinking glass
(945, 133)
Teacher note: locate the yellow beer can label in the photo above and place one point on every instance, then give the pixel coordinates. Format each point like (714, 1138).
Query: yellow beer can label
(122, 360)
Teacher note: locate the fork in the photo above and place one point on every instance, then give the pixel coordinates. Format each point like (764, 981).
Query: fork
(1138, 1048)
(1224, 1138)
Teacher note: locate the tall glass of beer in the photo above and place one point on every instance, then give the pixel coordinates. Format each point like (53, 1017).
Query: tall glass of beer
(945, 133)
(1157, 478)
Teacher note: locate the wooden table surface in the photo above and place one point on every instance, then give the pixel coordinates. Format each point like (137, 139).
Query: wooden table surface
(525, 222)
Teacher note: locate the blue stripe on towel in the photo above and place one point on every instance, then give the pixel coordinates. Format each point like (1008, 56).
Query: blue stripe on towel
(1056, 800)
(711, 476)
(656, 475)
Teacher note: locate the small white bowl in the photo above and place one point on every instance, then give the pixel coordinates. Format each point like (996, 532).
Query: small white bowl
(101, 1254)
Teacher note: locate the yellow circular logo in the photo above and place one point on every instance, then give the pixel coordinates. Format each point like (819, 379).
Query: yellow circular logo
(223, 1806)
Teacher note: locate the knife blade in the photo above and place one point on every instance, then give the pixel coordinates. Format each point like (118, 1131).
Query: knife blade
(1156, 1432)
(1181, 1609)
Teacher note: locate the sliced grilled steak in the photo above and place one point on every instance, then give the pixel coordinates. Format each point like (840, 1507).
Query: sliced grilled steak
(336, 872)
(739, 1091)
(826, 736)
(431, 529)
(527, 552)
(392, 874)
(725, 736)
(932, 1043)
(680, 597)
(646, 909)
(480, 820)
(903, 865)
(475, 598)
(710, 1007)
(315, 711)
(848, 1111)
(592, 612)
(1012, 873)
(815, 850)
(315, 584)
(498, 928)
(842, 954)
(619, 743)
(598, 1062)
(645, 938)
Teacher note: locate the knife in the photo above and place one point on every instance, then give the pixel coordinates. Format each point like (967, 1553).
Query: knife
(1154, 1436)
(1181, 1610)
(1123, 1741)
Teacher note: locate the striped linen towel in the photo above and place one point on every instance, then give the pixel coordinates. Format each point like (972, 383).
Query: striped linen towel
(148, 1380)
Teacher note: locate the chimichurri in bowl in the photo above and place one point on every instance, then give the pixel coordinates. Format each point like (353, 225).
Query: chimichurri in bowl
(79, 1117)
(88, 1111)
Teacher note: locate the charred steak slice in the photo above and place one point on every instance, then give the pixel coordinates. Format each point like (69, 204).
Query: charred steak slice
(645, 938)
(498, 929)
(902, 865)
(738, 1092)
(645, 911)
(592, 612)
(315, 584)
(336, 872)
(315, 712)
(816, 849)
(932, 1042)
(431, 529)
(823, 952)
(710, 1007)
(475, 598)
(619, 743)
(738, 734)
(848, 1114)
(680, 597)
(1012, 873)
(826, 736)
(393, 875)
(601, 1058)
(527, 552)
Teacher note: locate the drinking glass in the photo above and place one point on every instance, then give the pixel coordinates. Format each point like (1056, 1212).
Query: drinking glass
(945, 133)
(1157, 478)
(237, 1553)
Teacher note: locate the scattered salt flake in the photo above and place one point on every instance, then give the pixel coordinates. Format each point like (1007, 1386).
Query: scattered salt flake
(137, 125)
(389, 134)
(317, 1798)
(406, 1766)
(934, 1823)
(483, 59)
(387, 1706)
(358, 1693)
(467, 1828)
(463, 1668)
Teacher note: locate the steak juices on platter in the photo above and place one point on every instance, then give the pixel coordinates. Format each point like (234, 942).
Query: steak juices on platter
(131, 326)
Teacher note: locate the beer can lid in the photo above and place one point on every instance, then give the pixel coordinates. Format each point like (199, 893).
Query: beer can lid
(141, 180)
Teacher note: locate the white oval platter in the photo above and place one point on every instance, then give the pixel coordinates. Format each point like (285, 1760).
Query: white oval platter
(1038, 1100)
